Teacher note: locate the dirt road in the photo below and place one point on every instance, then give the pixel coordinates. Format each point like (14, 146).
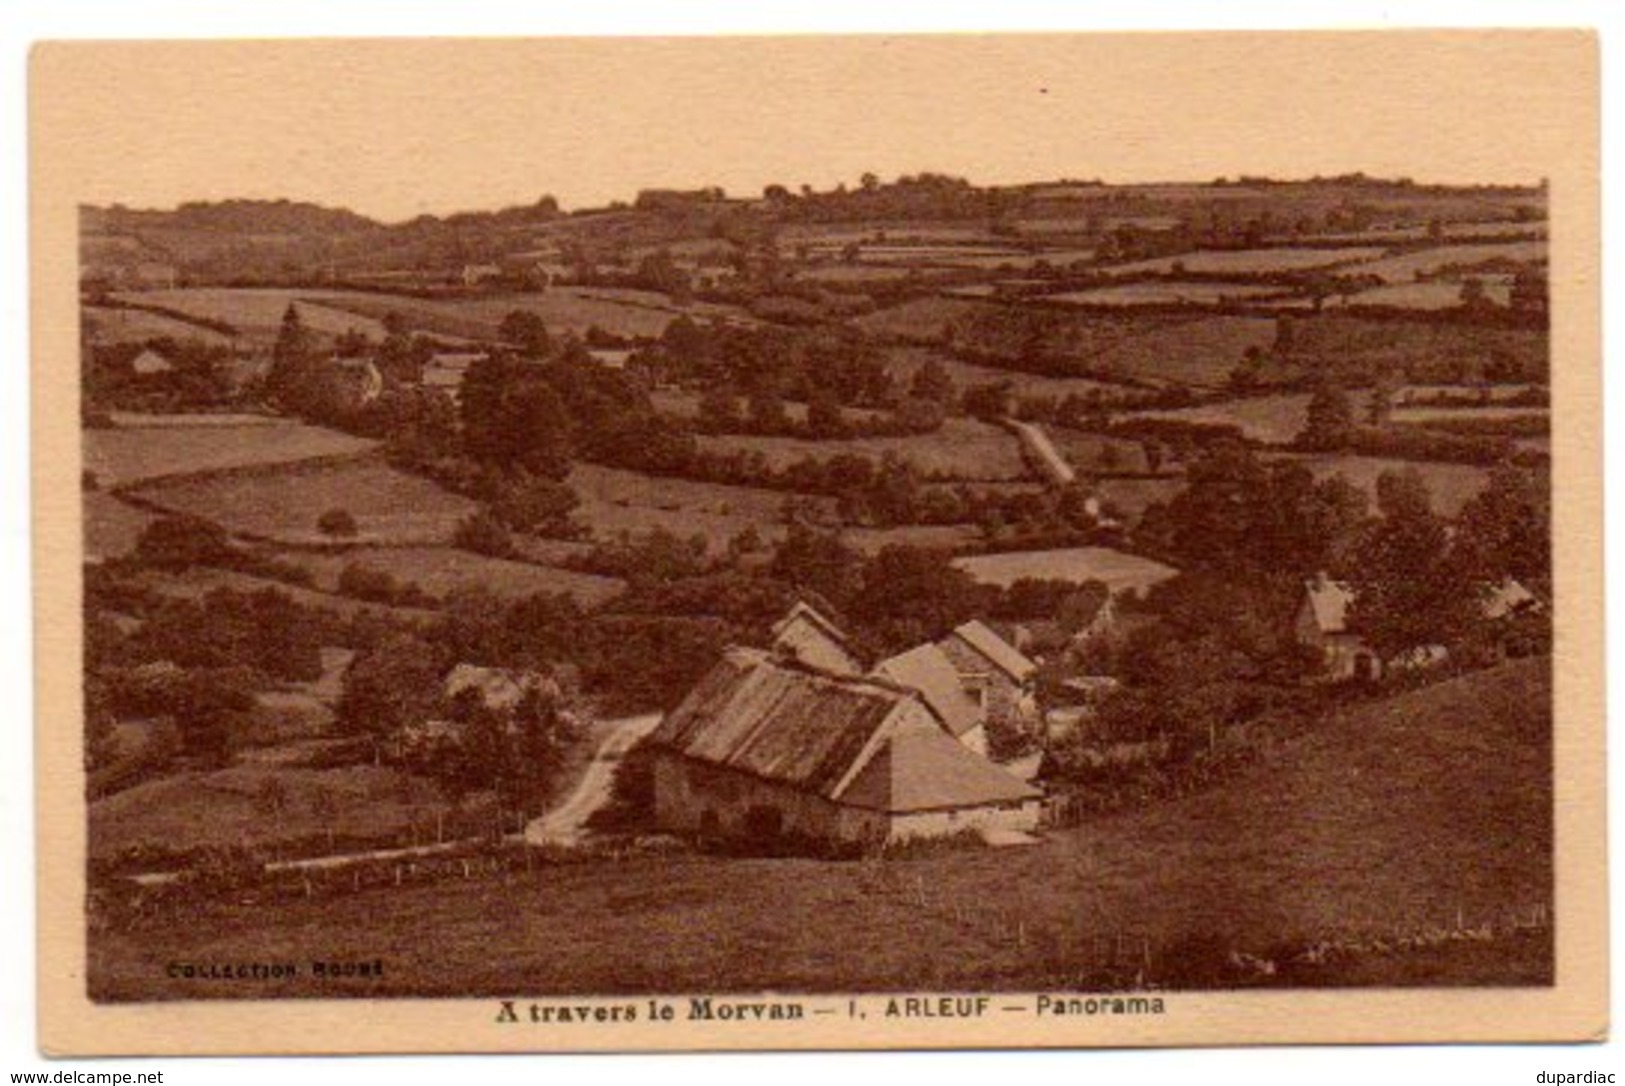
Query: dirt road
(564, 824)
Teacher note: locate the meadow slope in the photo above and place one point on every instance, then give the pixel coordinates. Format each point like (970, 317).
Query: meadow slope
(1389, 816)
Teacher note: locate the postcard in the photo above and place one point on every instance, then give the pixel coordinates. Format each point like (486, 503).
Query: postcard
(981, 540)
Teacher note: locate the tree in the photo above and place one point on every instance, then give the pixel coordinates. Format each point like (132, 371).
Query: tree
(719, 408)
(391, 685)
(336, 522)
(1330, 424)
(181, 541)
(295, 358)
(1505, 530)
(526, 332)
(824, 414)
(932, 382)
(1380, 408)
(483, 533)
(539, 505)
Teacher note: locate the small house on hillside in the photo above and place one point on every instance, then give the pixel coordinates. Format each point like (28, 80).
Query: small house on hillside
(808, 635)
(766, 747)
(927, 669)
(1322, 624)
(992, 670)
(475, 274)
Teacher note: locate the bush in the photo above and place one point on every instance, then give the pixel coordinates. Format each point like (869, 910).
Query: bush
(179, 542)
(336, 522)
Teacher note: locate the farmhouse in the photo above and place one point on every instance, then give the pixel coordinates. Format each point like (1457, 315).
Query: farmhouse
(1322, 624)
(927, 669)
(993, 671)
(766, 748)
(475, 274)
(808, 635)
(150, 363)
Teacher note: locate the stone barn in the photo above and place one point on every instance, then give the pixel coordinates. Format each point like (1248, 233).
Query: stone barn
(927, 669)
(766, 747)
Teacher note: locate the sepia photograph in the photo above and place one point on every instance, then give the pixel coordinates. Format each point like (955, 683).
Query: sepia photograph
(994, 537)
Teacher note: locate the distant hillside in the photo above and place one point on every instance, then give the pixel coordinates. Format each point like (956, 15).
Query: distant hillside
(244, 217)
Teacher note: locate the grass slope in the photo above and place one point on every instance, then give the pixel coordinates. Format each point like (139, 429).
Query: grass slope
(1390, 816)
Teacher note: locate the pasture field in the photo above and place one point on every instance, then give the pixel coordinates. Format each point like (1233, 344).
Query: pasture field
(1404, 267)
(1166, 292)
(961, 448)
(1120, 572)
(1421, 413)
(1098, 453)
(640, 314)
(257, 311)
(1275, 420)
(1196, 351)
(1244, 261)
(199, 581)
(920, 320)
(615, 501)
(130, 454)
(904, 362)
(1429, 294)
(1451, 485)
(111, 324)
(1185, 349)
(112, 527)
(227, 807)
(1130, 497)
(1386, 818)
(283, 505)
(441, 571)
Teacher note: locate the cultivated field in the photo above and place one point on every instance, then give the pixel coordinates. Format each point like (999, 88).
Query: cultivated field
(283, 504)
(129, 454)
(1120, 572)
(1423, 809)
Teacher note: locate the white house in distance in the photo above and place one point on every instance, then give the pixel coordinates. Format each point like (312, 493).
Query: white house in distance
(767, 747)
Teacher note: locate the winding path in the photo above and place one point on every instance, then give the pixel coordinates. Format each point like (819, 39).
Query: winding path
(565, 824)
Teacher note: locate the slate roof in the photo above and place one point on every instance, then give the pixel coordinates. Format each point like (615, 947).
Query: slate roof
(1329, 603)
(926, 668)
(929, 771)
(784, 722)
(996, 650)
